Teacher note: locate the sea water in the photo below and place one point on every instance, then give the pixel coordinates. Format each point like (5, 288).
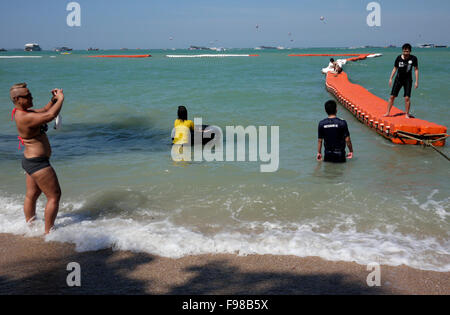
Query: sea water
(390, 204)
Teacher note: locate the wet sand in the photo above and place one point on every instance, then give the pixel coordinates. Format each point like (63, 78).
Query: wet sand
(33, 266)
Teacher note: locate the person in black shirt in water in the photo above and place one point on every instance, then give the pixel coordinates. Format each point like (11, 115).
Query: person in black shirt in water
(403, 66)
(334, 132)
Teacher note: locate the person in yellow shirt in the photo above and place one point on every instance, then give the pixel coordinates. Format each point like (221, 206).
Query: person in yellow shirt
(183, 127)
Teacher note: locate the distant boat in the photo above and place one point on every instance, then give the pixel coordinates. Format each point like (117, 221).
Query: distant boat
(199, 48)
(432, 46)
(92, 49)
(266, 47)
(62, 49)
(32, 47)
(217, 48)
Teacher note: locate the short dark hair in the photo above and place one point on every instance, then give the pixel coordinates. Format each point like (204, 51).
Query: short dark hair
(331, 60)
(182, 113)
(15, 87)
(331, 107)
(407, 47)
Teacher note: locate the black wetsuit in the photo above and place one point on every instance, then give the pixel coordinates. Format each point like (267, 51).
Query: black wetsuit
(334, 131)
(404, 75)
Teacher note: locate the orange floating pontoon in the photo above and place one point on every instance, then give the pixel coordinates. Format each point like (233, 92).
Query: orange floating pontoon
(369, 109)
(120, 56)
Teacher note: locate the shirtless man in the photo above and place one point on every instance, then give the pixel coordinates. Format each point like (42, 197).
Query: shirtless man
(332, 64)
(40, 176)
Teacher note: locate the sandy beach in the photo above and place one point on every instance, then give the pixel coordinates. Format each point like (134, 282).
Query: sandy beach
(33, 266)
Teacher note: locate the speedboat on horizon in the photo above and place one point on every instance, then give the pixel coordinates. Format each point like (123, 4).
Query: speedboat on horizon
(62, 49)
(32, 47)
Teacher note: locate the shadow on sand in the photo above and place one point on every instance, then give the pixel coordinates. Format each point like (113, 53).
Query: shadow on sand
(105, 273)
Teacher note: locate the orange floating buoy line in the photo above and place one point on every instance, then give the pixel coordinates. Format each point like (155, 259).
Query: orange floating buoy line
(120, 56)
(369, 109)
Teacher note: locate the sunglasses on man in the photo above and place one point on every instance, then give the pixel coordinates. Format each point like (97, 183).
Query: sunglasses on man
(25, 96)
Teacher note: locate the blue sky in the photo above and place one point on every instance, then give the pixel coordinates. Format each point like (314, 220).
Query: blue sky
(226, 23)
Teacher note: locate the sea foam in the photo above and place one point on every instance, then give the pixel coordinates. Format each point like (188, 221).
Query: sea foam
(163, 237)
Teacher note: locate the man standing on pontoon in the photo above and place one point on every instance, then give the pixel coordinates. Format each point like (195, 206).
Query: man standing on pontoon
(403, 66)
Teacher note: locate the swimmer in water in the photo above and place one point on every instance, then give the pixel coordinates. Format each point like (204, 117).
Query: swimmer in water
(183, 127)
(32, 127)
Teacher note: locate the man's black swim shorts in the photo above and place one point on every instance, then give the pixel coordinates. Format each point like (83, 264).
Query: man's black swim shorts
(398, 84)
(35, 164)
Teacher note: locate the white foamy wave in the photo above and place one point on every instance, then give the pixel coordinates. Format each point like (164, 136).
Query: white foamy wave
(167, 239)
(437, 207)
(12, 218)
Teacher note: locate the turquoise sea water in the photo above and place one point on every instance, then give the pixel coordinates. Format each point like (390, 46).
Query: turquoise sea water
(390, 204)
